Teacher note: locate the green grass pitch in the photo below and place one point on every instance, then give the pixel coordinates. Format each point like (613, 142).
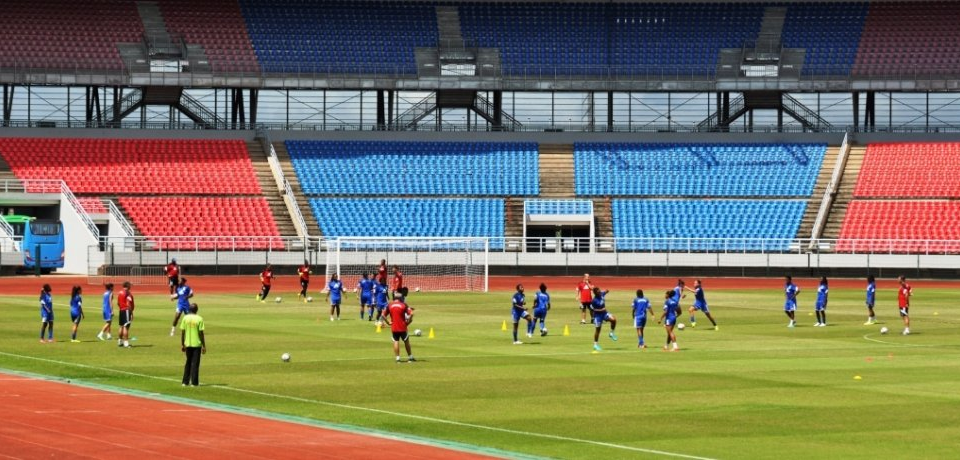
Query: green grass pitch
(753, 389)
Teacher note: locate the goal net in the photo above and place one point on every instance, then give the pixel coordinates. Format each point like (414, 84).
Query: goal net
(428, 264)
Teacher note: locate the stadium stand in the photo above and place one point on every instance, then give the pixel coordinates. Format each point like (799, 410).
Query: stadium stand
(721, 170)
(415, 168)
(666, 224)
(907, 38)
(905, 226)
(239, 222)
(910, 169)
(218, 26)
(92, 205)
(420, 217)
(829, 32)
(59, 34)
(339, 36)
(135, 166)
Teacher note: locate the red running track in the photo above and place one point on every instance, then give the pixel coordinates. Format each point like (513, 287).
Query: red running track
(47, 419)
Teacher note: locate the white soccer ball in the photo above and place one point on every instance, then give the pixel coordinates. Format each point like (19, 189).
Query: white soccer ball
(680, 326)
(884, 330)
(278, 299)
(309, 299)
(418, 332)
(285, 357)
(416, 289)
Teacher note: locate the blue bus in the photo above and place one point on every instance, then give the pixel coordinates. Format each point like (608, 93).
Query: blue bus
(43, 243)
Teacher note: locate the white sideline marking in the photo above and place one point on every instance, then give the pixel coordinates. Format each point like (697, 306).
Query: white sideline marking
(867, 337)
(378, 411)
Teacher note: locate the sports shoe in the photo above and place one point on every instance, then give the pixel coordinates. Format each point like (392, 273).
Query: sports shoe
(906, 331)
(791, 324)
(693, 324)
(543, 332)
(109, 337)
(100, 336)
(256, 297)
(597, 347)
(263, 301)
(529, 335)
(641, 346)
(716, 328)
(583, 321)
(43, 341)
(868, 323)
(331, 318)
(172, 330)
(518, 342)
(817, 324)
(411, 359)
(74, 341)
(613, 336)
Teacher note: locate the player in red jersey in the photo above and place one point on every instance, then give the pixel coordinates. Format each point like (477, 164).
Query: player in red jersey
(399, 315)
(173, 275)
(397, 283)
(903, 298)
(304, 272)
(382, 272)
(585, 296)
(125, 305)
(266, 278)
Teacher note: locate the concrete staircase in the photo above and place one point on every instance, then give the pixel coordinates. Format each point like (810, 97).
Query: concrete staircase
(603, 218)
(556, 171)
(6, 173)
(513, 215)
(313, 228)
(270, 191)
(844, 193)
(813, 204)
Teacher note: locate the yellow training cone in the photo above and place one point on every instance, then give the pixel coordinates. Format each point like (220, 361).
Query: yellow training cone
(378, 328)
(431, 334)
(566, 330)
(504, 327)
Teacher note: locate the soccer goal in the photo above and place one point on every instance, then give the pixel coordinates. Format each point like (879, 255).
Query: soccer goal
(428, 264)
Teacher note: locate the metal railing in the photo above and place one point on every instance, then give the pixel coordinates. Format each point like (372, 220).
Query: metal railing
(829, 195)
(289, 197)
(120, 218)
(78, 208)
(563, 207)
(51, 186)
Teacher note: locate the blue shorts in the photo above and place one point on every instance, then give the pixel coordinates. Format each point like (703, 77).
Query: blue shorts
(670, 321)
(335, 301)
(540, 313)
(183, 308)
(75, 317)
(381, 307)
(46, 317)
(599, 317)
(869, 305)
(108, 314)
(701, 306)
(518, 313)
(366, 299)
(639, 321)
(821, 307)
(790, 306)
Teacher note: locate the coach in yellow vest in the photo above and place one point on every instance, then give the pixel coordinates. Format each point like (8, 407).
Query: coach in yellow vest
(192, 344)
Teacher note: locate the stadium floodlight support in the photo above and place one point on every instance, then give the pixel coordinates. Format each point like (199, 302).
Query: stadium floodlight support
(427, 263)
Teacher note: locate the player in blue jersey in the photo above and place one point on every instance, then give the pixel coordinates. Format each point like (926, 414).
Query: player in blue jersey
(366, 286)
(671, 312)
(46, 314)
(380, 294)
(519, 311)
(700, 303)
(790, 291)
(335, 293)
(871, 300)
(823, 291)
(182, 295)
(76, 311)
(598, 307)
(107, 312)
(641, 306)
(678, 291)
(541, 303)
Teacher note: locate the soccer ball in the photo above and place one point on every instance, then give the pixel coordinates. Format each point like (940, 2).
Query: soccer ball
(309, 299)
(285, 357)
(418, 332)
(416, 289)
(884, 330)
(278, 299)
(680, 326)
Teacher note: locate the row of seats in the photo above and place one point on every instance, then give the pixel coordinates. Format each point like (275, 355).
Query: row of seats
(706, 225)
(904, 226)
(135, 166)
(416, 217)
(238, 222)
(92, 204)
(697, 169)
(416, 168)
(910, 169)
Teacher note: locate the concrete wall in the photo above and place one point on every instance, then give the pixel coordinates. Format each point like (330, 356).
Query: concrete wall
(77, 239)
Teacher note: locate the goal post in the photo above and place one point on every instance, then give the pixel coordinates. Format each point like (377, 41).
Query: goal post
(430, 264)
